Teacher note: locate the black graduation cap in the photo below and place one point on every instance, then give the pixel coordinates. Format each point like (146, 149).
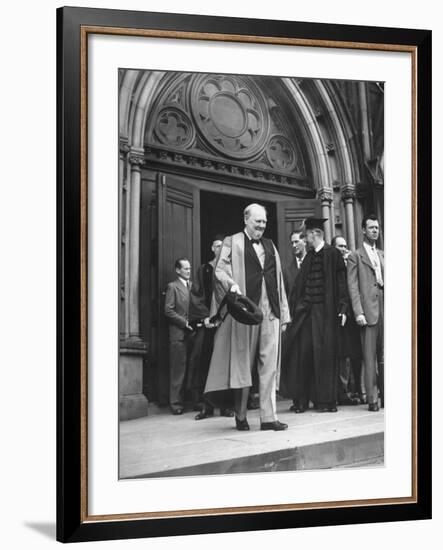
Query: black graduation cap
(314, 223)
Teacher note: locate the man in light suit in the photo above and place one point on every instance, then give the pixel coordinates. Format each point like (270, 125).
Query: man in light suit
(177, 312)
(249, 264)
(365, 282)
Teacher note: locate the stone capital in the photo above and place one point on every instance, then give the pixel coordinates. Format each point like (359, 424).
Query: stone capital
(136, 157)
(123, 145)
(348, 193)
(325, 194)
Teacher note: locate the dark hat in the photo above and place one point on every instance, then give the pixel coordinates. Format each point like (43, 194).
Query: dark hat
(243, 309)
(314, 223)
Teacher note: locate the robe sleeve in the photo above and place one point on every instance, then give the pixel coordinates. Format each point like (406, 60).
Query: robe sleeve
(223, 269)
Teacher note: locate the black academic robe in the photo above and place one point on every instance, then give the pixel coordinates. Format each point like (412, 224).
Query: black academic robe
(336, 301)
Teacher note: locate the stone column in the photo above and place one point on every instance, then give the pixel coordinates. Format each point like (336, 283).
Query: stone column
(132, 401)
(136, 159)
(348, 197)
(123, 218)
(326, 196)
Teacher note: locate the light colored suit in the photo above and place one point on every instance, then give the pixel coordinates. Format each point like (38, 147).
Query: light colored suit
(367, 298)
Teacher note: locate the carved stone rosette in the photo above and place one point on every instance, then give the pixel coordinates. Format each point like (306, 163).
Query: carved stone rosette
(231, 114)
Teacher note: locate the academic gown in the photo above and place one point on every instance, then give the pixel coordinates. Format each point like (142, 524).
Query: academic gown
(231, 360)
(336, 301)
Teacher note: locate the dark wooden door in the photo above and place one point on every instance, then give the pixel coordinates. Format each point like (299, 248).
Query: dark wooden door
(290, 216)
(178, 206)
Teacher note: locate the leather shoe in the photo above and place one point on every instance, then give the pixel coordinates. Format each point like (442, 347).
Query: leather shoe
(203, 414)
(241, 425)
(227, 412)
(177, 410)
(277, 426)
(346, 400)
(297, 409)
(373, 407)
(327, 410)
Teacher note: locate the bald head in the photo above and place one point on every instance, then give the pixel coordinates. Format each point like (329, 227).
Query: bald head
(255, 220)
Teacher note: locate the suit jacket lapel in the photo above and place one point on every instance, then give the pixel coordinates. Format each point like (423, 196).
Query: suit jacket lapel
(182, 289)
(365, 258)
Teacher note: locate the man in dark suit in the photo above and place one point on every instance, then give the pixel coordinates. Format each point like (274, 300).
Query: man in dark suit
(366, 288)
(318, 305)
(350, 357)
(177, 312)
(203, 340)
(291, 271)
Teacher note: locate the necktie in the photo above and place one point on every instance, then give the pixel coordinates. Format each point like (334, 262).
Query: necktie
(255, 241)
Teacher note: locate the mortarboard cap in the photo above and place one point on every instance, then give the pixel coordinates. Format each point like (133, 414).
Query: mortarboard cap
(314, 223)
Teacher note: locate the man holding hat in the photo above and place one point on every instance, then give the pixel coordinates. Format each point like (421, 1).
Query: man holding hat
(249, 265)
(319, 304)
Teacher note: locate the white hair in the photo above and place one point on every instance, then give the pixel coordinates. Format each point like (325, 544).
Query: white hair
(248, 210)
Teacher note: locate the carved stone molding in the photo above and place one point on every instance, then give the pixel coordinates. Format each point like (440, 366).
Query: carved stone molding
(330, 149)
(188, 159)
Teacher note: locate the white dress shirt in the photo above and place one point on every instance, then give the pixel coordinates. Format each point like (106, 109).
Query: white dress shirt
(375, 261)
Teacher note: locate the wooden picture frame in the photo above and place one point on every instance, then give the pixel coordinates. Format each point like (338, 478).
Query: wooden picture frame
(74, 25)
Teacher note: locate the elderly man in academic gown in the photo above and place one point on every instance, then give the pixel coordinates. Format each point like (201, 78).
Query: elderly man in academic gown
(249, 264)
(319, 303)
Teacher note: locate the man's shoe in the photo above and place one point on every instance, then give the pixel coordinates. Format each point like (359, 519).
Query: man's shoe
(176, 410)
(346, 400)
(327, 410)
(297, 409)
(277, 426)
(229, 413)
(241, 425)
(204, 414)
(373, 407)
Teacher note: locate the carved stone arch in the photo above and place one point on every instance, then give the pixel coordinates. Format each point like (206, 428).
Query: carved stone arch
(320, 164)
(126, 90)
(142, 104)
(344, 119)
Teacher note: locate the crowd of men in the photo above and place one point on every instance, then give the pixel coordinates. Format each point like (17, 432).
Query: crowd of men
(310, 331)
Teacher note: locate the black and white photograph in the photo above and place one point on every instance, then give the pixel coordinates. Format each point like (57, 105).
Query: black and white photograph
(251, 273)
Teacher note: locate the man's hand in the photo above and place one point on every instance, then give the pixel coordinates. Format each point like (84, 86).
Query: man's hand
(343, 318)
(361, 320)
(188, 327)
(235, 289)
(284, 327)
(208, 323)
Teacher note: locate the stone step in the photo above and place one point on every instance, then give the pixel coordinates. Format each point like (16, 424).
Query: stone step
(164, 445)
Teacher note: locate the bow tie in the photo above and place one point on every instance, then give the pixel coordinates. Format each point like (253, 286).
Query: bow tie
(255, 241)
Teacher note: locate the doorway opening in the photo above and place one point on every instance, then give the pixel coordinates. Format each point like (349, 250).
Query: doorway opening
(223, 214)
